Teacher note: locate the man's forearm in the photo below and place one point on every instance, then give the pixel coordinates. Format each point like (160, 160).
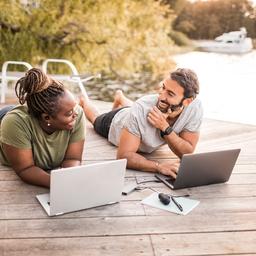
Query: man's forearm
(138, 162)
(178, 145)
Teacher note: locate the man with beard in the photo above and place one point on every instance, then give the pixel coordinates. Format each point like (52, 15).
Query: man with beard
(173, 116)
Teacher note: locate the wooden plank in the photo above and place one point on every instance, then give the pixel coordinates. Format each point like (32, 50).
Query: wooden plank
(97, 246)
(4, 168)
(224, 130)
(211, 191)
(238, 169)
(244, 168)
(129, 208)
(210, 205)
(35, 211)
(227, 143)
(10, 175)
(242, 178)
(20, 186)
(235, 178)
(19, 197)
(231, 243)
(132, 225)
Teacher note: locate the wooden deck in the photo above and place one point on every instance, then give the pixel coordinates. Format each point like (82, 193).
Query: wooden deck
(224, 223)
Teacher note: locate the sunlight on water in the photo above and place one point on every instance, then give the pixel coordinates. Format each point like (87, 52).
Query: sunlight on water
(227, 84)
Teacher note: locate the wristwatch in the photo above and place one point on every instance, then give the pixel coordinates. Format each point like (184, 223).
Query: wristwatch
(167, 131)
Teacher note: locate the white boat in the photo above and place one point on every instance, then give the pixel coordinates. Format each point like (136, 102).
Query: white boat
(232, 42)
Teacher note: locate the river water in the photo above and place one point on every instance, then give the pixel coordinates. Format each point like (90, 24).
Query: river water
(227, 84)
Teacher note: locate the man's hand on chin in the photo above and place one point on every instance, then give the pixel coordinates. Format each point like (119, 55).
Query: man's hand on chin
(161, 120)
(158, 119)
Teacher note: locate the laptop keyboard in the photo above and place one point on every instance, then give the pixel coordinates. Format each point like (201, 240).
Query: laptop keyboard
(170, 180)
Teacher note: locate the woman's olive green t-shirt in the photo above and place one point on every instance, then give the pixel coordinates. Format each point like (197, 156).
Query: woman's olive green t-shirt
(21, 130)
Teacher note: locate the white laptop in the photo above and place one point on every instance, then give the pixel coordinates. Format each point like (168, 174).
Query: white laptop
(85, 186)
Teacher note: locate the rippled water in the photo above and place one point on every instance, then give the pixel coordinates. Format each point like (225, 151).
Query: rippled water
(227, 84)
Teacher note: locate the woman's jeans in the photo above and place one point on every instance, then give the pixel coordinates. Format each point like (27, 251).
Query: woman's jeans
(4, 111)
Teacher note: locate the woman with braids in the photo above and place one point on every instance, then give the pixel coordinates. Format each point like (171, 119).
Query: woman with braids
(44, 132)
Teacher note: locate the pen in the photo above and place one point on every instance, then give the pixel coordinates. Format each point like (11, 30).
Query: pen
(177, 204)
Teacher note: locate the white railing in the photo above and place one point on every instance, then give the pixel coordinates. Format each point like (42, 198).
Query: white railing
(75, 77)
(13, 76)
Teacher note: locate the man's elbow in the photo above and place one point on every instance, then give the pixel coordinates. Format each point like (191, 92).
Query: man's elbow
(125, 154)
(189, 150)
(119, 156)
(122, 155)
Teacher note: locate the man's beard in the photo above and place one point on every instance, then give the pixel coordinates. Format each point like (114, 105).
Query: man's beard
(163, 106)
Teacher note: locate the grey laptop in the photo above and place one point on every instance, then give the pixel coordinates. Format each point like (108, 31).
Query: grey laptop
(203, 169)
(84, 186)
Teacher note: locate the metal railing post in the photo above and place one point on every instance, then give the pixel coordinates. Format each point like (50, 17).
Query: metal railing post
(74, 76)
(4, 75)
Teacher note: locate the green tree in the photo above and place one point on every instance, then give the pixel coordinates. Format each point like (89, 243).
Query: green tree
(176, 5)
(208, 19)
(110, 36)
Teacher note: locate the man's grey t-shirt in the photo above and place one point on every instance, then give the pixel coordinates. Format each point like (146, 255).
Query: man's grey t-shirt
(134, 119)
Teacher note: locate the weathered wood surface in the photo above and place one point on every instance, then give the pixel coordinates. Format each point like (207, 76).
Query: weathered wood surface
(224, 223)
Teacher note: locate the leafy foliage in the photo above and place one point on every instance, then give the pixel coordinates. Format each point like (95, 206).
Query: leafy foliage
(208, 19)
(179, 38)
(110, 36)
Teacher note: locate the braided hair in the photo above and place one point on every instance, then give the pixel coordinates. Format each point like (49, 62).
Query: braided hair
(40, 92)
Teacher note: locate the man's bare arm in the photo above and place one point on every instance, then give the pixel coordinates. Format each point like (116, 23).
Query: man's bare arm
(181, 144)
(128, 147)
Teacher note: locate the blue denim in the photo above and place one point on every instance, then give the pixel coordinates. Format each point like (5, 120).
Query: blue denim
(6, 109)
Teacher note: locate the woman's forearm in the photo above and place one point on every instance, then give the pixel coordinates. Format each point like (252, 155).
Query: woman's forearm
(70, 162)
(35, 176)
